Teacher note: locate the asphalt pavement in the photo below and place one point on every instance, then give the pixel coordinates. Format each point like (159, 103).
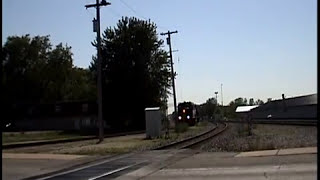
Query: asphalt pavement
(295, 163)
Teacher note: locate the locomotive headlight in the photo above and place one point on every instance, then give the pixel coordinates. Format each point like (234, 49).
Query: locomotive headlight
(188, 117)
(179, 117)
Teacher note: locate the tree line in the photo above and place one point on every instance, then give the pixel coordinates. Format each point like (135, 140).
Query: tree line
(211, 109)
(33, 71)
(135, 72)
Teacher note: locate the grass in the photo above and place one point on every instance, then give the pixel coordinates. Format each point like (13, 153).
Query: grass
(115, 145)
(23, 137)
(181, 127)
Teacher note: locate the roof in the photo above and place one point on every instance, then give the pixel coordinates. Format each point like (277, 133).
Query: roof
(289, 102)
(245, 108)
(300, 100)
(152, 109)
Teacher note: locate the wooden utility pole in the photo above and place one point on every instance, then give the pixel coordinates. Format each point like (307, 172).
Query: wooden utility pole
(222, 113)
(96, 28)
(172, 71)
(221, 96)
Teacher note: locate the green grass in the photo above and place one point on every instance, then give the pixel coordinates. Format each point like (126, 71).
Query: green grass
(119, 145)
(115, 145)
(23, 137)
(181, 127)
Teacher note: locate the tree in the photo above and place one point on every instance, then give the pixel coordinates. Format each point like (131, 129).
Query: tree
(80, 85)
(208, 109)
(259, 102)
(24, 59)
(58, 71)
(251, 101)
(230, 112)
(34, 72)
(240, 101)
(135, 71)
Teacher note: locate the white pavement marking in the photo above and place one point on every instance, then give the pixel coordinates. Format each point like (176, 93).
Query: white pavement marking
(80, 168)
(304, 150)
(258, 153)
(307, 150)
(114, 171)
(294, 168)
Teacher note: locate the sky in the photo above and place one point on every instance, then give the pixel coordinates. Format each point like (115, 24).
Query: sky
(254, 48)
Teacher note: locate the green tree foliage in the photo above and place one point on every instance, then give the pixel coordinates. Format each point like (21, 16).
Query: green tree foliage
(251, 101)
(135, 71)
(230, 112)
(259, 102)
(80, 85)
(34, 72)
(23, 61)
(208, 109)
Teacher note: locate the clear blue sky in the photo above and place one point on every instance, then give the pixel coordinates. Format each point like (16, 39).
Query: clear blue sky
(256, 48)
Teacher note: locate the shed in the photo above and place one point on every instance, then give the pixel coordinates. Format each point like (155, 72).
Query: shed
(153, 122)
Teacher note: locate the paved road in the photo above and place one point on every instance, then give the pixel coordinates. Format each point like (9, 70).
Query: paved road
(221, 165)
(293, 171)
(227, 166)
(22, 167)
(183, 164)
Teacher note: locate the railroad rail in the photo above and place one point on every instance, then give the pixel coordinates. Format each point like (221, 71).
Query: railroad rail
(196, 140)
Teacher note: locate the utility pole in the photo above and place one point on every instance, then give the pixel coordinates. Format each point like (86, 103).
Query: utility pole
(215, 113)
(222, 113)
(172, 71)
(221, 96)
(96, 28)
(216, 96)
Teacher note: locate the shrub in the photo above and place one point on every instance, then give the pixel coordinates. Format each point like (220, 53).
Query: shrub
(181, 127)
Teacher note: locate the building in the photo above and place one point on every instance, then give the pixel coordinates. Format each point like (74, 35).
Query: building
(75, 115)
(295, 108)
(245, 111)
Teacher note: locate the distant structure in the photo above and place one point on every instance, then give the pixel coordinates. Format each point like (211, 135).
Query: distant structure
(301, 107)
(244, 111)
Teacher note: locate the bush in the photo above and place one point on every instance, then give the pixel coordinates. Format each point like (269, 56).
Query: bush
(181, 127)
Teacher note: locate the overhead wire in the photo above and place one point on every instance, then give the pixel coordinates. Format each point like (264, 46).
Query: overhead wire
(140, 16)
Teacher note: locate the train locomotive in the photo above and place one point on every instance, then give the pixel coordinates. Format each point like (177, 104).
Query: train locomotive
(188, 113)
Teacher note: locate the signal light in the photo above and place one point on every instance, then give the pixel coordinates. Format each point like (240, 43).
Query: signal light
(184, 111)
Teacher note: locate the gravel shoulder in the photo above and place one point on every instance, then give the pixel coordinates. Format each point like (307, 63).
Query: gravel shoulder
(265, 137)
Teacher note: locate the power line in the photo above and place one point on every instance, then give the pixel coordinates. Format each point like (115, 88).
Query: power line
(115, 13)
(89, 12)
(128, 6)
(140, 16)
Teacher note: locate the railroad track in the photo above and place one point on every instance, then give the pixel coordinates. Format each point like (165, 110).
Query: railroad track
(194, 141)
